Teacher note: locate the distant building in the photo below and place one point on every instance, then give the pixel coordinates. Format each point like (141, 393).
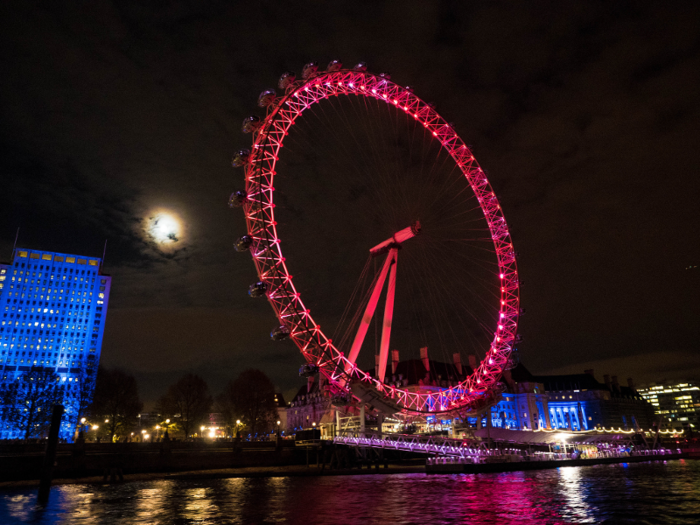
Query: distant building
(580, 402)
(526, 401)
(310, 407)
(53, 308)
(281, 411)
(523, 405)
(677, 404)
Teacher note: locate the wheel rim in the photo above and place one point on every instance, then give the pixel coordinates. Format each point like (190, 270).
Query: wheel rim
(470, 394)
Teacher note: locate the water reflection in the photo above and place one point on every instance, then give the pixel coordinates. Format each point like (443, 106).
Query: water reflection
(660, 493)
(576, 505)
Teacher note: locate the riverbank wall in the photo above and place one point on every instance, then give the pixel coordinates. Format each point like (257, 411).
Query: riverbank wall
(24, 462)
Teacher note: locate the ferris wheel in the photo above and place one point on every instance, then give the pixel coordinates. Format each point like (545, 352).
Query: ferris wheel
(378, 196)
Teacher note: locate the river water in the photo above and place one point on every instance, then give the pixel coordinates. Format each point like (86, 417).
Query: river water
(655, 493)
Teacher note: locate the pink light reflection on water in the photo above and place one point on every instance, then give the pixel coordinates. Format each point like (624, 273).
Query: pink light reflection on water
(660, 492)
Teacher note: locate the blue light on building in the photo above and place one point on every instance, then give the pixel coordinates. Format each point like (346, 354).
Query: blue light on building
(53, 308)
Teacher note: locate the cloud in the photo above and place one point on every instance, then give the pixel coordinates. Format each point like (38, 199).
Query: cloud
(584, 117)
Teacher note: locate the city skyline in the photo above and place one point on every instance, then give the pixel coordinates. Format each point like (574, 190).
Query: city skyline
(586, 129)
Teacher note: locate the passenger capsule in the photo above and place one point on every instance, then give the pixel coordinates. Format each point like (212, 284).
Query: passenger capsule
(243, 243)
(237, 199)
(308, 370)
(409, 89)
(385, 76)
(257, 289)
(240, 158)
(251, 124)
(334, 65)
(360, 67)
(309, 70)
(279, 333)
(286, 80)
(266, 98)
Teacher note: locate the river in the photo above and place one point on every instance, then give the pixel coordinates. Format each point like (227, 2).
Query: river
(653, 493)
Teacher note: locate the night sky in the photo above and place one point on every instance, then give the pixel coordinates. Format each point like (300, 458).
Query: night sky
(585, 115)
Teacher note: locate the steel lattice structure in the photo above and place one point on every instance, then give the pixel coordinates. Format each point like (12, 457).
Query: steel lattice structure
(296, 320)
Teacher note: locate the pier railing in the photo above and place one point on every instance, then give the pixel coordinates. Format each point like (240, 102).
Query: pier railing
(465, 451)
(434, 445)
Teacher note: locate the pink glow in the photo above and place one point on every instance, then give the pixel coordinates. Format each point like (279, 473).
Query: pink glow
(388, 316)
(284, 298)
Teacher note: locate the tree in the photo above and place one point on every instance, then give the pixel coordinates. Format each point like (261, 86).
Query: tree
(28, 401)
(116, 400)
(188, 400)
(251, 398)
(84, 386)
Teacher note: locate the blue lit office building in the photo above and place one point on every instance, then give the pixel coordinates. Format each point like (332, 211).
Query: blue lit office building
(569, 402)
(53, 308)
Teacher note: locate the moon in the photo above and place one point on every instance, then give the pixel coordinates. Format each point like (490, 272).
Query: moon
(164, 227)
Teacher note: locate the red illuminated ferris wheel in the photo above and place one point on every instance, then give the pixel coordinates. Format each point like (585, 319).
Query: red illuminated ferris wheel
(366, 171)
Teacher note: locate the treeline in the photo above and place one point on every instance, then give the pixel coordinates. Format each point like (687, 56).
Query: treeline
(27, 402)
(107, 405)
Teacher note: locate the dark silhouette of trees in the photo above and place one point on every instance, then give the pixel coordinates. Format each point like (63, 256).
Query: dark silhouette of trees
(27, 402)
(250, 398)
(187, 402)
(81, 392)
(117, 400)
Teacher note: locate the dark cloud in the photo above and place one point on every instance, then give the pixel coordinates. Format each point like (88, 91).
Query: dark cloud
(584, 115)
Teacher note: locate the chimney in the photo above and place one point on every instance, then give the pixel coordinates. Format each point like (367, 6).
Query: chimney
(472, 361)
(615, 383)
(457, 360)
(589, 372)
(424, 358)
(606, 378)
(309, 384)
(394, 360)
(630, 383)
(509, 378)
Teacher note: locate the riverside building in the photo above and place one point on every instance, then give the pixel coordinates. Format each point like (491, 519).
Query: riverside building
(677, 404)
(53, 308)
